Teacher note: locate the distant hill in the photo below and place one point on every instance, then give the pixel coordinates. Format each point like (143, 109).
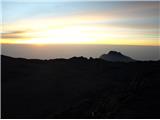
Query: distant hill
(116, 57)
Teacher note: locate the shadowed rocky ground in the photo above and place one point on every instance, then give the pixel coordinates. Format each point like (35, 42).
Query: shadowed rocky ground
(79, 88)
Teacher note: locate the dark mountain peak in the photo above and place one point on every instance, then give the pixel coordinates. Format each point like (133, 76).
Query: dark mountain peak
(115, 56)
(114, 53)
(81, 57)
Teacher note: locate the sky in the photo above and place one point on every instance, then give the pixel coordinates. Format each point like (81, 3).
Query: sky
(82, 22)
(48, 29)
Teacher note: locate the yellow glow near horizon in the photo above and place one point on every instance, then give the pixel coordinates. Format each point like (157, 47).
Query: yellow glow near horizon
(70, 30)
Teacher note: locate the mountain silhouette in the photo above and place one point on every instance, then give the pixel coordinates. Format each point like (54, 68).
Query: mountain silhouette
(115, 56)
(79, 88)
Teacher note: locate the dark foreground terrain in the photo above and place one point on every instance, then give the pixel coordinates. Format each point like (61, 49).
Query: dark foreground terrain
(79, 88)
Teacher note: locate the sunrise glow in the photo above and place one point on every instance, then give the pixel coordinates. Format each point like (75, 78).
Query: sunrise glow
(100, 27)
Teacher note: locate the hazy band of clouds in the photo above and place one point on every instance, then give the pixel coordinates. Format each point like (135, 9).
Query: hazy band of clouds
(14, 35)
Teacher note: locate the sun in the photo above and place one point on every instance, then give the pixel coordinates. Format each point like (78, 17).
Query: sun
(68, 35)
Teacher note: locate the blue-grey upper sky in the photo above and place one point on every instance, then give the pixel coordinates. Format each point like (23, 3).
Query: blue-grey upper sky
(13, 11)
